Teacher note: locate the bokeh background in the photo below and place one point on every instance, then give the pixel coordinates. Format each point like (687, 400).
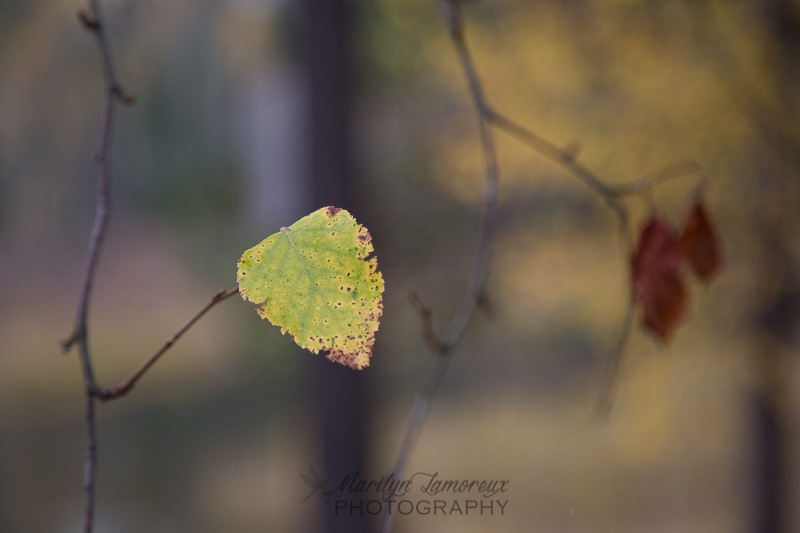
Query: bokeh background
(217, 154)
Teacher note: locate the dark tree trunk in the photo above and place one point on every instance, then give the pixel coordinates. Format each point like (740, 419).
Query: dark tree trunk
(781, 306)
(339, 393)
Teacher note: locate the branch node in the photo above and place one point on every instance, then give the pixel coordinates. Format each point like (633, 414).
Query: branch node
(485, 304)
(483, 108)
(68, 343)
(571, 152)
(224, 293)
(119, 93)
(96, 391)
(424, 313)
(88, 21)
(452, 15)
(105, 394)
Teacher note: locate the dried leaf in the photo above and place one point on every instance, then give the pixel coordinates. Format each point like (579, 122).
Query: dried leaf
(657, 266)
(700, 244)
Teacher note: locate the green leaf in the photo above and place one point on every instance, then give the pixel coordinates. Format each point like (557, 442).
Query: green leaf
(316, 281)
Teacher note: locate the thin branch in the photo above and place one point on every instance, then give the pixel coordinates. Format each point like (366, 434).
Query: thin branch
(487, 228)
(127, 384)
(612, 196)
(487, 118)
(651, 180)
(92, 21)
(565, 158)
(472, 294)
(608, 388)
(90, 455)
(424, 313)
(418, 412)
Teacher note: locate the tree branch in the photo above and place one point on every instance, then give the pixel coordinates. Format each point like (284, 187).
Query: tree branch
(563, 157)
(487, 228)
(612, 195)
(424, 313)
(608, 388)
(651, 180)
(92, 21)
(127, 384)
(472, 294)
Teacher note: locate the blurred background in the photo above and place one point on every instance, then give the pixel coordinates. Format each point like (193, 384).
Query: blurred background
(250, 114)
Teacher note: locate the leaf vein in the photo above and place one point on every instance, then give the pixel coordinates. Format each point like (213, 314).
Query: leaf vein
(286, 231)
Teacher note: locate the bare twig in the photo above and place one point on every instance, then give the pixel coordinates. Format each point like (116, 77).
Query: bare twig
(608, 388)
(424, 313)
(127, 384)
(92, 21)
(612, 196)
(563, 156)
(566, 157)
(651, 180)
(487, 228)
(472, 294)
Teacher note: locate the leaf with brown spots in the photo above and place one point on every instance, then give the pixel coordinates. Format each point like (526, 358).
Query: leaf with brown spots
(700, 244)
(317, 282)
(657, 267)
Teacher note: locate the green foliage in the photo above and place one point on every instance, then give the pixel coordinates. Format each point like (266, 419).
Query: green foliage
(316, 281)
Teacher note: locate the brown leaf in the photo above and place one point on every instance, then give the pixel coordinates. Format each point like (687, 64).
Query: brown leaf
(657, 266)
(700, 244)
